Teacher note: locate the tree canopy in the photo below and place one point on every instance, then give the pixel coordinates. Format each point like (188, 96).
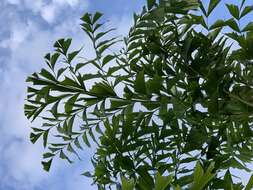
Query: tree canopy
(171, 109)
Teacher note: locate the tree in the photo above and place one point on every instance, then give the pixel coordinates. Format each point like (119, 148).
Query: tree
(172, 109)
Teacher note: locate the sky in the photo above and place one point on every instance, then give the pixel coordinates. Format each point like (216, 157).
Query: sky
(28, 31)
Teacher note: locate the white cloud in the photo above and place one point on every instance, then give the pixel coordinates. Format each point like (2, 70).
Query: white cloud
(48, 13)
(34, 6)
(47, 10)
(13, 2)
(19, 32)
(27, 43)
(69, 2)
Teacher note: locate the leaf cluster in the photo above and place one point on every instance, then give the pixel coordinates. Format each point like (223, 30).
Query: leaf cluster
(172, 109)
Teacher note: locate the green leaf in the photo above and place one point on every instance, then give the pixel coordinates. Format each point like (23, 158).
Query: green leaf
(47, 165)
(127, 184)
(96, 17)
(212, 5)
(70, 103)
(201, 178)
(246, 11)
(139, 83)
(34, 137)
(202, 8)
(64, 157)
(232, 24)
(248, 28)
(102, 90)
(115, 103)
(70, 125)
(198, 172)
(151, 3)
(47, 74)
(48, 155)
(86, 18)
(73, 54)
(85, 139)
(101, 34)
(145, 180)
(154, 85)
(242, 4)
(45, 136)
(60, 72)
(249, 185)
(77, 143)
(228, 182)
(234, 11)
(107, 59)
(87, 174)
(53, 59)
(63, 45)
(162, 182)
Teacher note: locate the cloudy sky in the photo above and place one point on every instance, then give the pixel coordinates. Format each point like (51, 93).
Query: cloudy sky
(28, 30)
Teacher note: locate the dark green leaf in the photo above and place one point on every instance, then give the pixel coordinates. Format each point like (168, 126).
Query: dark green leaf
(218, 24)
(232, 24)
(107, 59)
(139, 84)
(34, 137)
(45, 136)
(96, 17)
(150, 3)
(86, 18)
(212, 5)
(246, 11)
(248, 28)
(87, 174)
(234, 10)
(85, 139)
(47, 165)
(249, 185)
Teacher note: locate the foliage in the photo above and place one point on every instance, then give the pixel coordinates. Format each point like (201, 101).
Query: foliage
(172, 109)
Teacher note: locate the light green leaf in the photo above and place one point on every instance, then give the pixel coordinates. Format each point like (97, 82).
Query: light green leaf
(198, 172)
(162, 182)
(127, 184)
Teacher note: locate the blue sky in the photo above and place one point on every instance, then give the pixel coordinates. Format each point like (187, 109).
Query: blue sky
(28, 30)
